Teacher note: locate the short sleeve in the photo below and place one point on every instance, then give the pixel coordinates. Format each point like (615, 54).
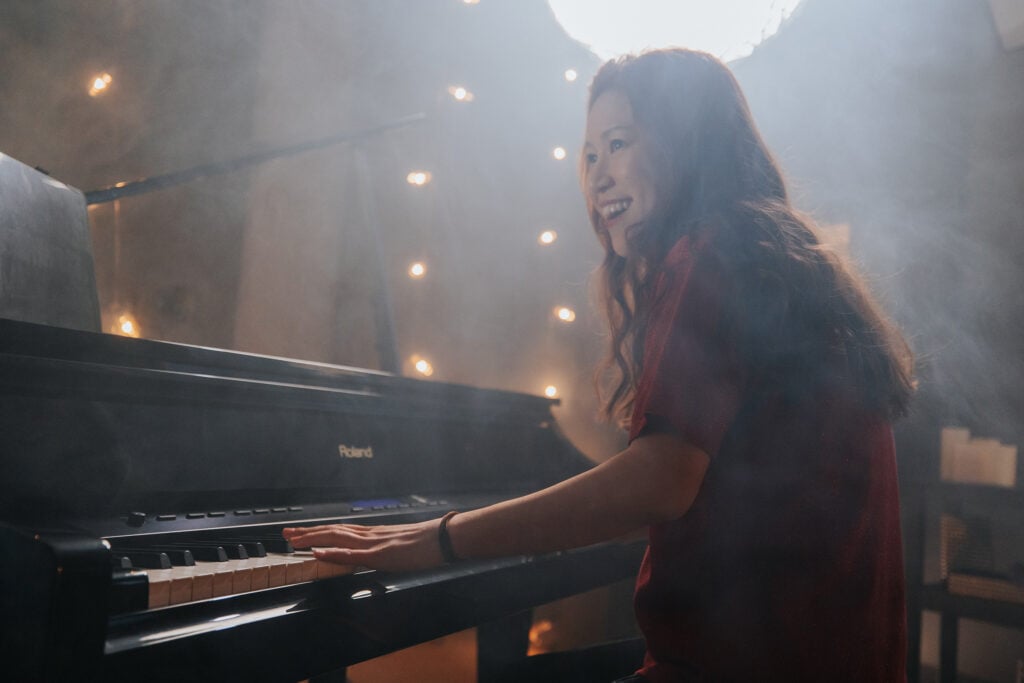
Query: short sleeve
(690, 382)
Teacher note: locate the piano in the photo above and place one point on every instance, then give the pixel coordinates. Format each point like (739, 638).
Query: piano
(144, 484)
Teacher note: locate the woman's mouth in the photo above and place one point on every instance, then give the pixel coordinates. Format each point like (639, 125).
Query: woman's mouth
(613, 210)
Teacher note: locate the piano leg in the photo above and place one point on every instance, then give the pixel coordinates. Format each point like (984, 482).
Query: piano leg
(500, 644)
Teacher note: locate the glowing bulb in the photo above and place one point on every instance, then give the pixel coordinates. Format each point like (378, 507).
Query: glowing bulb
(423, 367)
(126, 326)
(99, 84)
(418, 178)
(558, 153)
(565, 314)
(471, 2)
(547, 237)
(571, 75)
(551, 391)
(460, 93)
(417, 270)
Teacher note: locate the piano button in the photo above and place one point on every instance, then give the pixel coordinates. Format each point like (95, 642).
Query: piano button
(262, 511)
(295, 508)
(195, 515)
(135, 519)
(242, 513)
(377, 507)
(279, 509)
(358, 509)
(215, 514)
(166, 518)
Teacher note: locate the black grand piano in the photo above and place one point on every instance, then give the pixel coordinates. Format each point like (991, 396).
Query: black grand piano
(143, 486)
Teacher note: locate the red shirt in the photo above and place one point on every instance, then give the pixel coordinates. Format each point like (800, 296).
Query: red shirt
(788, 566)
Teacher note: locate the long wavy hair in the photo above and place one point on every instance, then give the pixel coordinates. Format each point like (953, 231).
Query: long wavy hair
(797, 312)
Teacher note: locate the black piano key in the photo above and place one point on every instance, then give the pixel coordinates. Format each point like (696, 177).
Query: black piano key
(146, 559)
(202, 552)
(231, 550)
(253, 547)
(120, 562)
(271, 544)
(179, 557)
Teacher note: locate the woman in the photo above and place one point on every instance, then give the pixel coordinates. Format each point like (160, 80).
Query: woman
(759, 380)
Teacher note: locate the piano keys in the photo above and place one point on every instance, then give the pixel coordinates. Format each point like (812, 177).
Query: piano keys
(115, 451)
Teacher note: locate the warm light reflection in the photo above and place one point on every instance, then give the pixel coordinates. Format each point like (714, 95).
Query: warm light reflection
(422, 366)
(551, 391)
(565, 314)
(100, 84)
(417, 270)
(559, 153)
(571, 75)
(460, 93)
(471, 2)
(548, 237)
(418, 178)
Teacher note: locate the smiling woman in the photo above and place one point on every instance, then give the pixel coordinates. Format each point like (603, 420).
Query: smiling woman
(726, 28)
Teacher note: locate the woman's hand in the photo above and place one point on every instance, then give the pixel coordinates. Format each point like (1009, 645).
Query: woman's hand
(400, 547)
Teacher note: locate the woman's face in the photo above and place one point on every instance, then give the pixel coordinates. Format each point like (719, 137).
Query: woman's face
(618, 169)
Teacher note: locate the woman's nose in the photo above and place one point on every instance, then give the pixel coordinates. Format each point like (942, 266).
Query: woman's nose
(599, 180)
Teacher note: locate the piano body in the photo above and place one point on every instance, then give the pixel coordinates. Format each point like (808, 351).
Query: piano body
(143, 486)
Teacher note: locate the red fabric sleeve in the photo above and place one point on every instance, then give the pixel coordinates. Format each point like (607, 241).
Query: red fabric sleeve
(690, 380)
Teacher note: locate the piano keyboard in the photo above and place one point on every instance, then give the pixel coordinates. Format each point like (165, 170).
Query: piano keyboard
(174, 573)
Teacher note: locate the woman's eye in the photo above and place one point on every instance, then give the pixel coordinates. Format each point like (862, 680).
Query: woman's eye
(616, 145)
(590, 159)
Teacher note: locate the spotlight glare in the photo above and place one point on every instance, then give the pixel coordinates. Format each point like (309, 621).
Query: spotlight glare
(559, 153)
(551, 391)
(547, 237)
(418, 178)
(126, 326)
(565, 314)
(417, 270)
(470, 2)
(571, 75)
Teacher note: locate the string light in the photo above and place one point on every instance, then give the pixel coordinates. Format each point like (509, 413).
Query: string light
(460, 93)
(551, 391)
(565, 314)
(417, 270)
(571, 75)
(100, 84)
(547, 237)
(418, 178)
(559, 153)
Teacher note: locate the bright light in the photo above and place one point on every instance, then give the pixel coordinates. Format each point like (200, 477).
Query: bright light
(423, 366)
(558, 153)
(565, 314)
(460, 93)
(547, 237)
(126, 326)
(471, 2)
(99, 84)
(551, 391)
(417, 270)
(418, 178)
(726, 28)
(571, 75)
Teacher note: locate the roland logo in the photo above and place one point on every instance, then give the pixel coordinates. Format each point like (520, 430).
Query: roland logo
(354, 451)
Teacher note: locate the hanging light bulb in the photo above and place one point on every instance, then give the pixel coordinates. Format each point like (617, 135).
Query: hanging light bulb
(547, 237)
(551, 391)
(422, 365)
(460, 93)
(100, 84)
(417, 270)
(571, 75)
(126, 326)
(559, 153)
(565, 314)
(418, 178)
